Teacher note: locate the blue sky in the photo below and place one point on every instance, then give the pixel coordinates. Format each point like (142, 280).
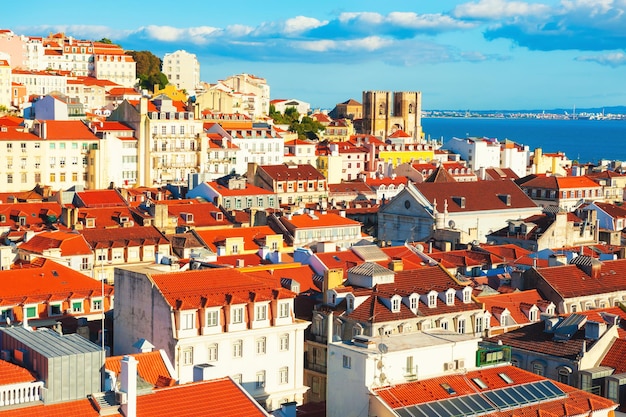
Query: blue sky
(477, 55)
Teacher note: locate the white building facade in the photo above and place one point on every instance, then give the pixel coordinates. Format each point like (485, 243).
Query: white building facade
(183, 70)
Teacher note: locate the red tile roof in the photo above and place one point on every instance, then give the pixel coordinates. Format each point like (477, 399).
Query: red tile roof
(253, 237)
(100, 198)
(615, 356)
(570, 281)
(577, 402)
(514, 302)
(82, 408)
(67, 130)
(249, 190)
(215, 287)
(221, 397)
(305, 221)
(292, 172)
(151, 367)
(37, 284)
(14, 374)
(69, 243)
(479, 195)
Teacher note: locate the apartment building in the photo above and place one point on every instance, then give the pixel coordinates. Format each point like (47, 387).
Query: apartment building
(182, 69)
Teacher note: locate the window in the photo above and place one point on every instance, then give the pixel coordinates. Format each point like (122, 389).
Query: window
(212, 353)
(395, 305)
(479, 324)
(347, 362)
(461, 326)
(538, 368)
(410, 368)
(444, 325)
(261, 343)
(237, 348)
(260, 379)
(237, 378)
(187, 321)
(261, 312)
(9, 178)
(563, 376)
(612, 390)
(55, 309)
(77, 306)
(432, 300)
(84, 264)
(212, 318)
(283, 375)
(413, 301)
(450, 298)
(96, 304)
(187, 356)
(283, 310)
(284, 342)
(237, 314)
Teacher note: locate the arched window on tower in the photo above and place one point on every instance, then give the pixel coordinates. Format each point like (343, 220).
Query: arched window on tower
(410, 108)
(381, 108)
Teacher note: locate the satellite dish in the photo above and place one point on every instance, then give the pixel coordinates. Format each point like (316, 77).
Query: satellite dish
(382, 348)
(419, 247)
(451, 224)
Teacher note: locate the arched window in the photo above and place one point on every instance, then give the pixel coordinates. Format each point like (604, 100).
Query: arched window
(564, 374)
(381, 108)
(410, 108)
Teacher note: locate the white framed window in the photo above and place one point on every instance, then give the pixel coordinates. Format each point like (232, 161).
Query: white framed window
(283, 375)
(77, 306)
(283, 310)
(479, 324)
(261, 344)
(347, 362)
(237, 378)
(187, 356)
(413, 302)
(237, 348)
(432, 300)
(261, 312)
(55, 309)
(395, 304)
(284, 342)
(260, 379)
(237, 315)
(187, 321)
(212, 318)
(449, 298)
(96, 304)
(460, 327)
(212, 352)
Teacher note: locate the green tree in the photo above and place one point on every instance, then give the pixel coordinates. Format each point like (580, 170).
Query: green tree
(106, 40)
(306, 127)
(148, 69)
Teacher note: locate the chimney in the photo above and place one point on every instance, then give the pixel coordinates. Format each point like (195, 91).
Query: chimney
(396, 265)
(129, 386)
(288, 409)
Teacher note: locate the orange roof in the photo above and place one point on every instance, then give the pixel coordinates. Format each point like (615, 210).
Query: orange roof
(100, 198)
(249, 190)
(151, 367)
(69, 243)
(219, 396)
(253, 237)
(82, 408)
(430, 390)
(514, 302)
(13, 374)
(305, 221)
(215, 287)
(37, 284)
(67, 130)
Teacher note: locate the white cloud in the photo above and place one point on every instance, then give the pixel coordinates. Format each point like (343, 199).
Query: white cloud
(614, 59)
(198, 34)
(369, 44)
(425, 21)
(363, 17)
(497, 9)
(301, 24)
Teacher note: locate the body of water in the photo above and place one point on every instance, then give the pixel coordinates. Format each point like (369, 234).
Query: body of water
(581, 140)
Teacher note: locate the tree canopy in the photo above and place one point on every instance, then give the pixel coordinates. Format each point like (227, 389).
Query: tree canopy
(148, 69)
(306, 127)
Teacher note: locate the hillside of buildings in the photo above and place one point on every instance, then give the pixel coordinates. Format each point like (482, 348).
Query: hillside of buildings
(179, 251)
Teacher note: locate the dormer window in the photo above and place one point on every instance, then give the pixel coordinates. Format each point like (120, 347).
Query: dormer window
(212, 318)
(349, 302)
(450, 297)
(413, 300)
(467, 294)
(261, 312)
(187, 320)
(432, 300)
(395, 303)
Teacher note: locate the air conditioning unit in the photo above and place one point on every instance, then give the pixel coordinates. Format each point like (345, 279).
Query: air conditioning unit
(460, 363)
(121, 397)
(449, 366)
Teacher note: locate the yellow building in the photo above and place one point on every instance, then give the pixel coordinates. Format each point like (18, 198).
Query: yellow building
(171, 91)
(339, 130)
(400, 154)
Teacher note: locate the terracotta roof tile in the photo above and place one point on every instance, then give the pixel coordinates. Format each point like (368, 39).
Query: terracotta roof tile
(14, 374)
(69, 243)
(150, 367)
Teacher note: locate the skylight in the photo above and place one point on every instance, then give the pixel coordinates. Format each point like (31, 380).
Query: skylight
(505, 377)
(448, 389)
(481, 384)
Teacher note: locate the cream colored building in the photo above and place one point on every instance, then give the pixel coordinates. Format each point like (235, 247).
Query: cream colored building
(109, 62)
(254, 94)
(5, 83)
(182, 69)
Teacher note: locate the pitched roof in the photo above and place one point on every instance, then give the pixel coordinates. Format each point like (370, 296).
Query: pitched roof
(82, 408)
(215, 287)
(517, 303)
(572, 281)
(151, 367)
(575, 401)
(479, 195)
(306, 221)
(69, 243)
(249, 190)
(99, 198)
(286, 172)
(200, 399)
(253, 237)
(49, 280)
(14, 374)
(67, 130)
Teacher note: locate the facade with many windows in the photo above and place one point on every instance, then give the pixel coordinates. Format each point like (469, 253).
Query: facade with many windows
(217, 322)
